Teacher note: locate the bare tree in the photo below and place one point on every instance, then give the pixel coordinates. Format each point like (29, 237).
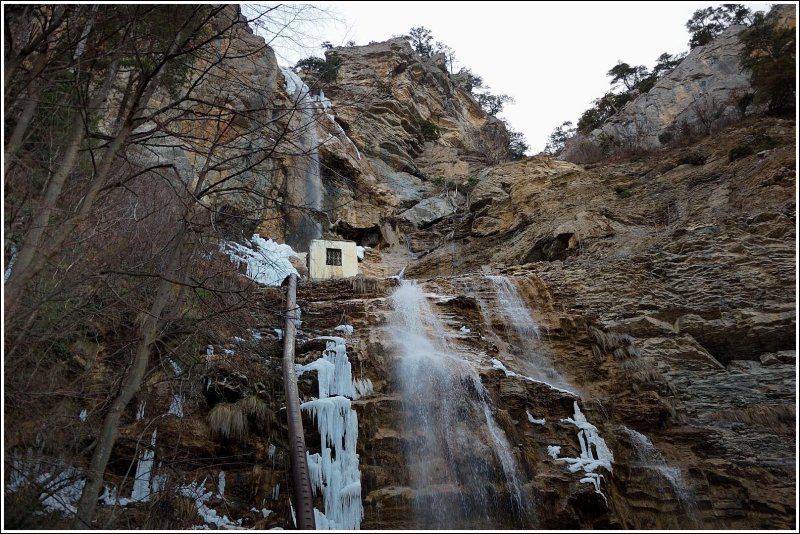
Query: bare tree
(156, 104)
(708, 111)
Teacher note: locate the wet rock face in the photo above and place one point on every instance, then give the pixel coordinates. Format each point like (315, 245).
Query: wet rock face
(665, 289)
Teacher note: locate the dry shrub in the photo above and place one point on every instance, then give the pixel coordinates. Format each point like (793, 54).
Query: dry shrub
(228, 421)
(621, 346)
(256, 408)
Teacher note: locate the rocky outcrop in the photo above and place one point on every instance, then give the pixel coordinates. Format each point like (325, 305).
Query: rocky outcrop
(406, 111)
(698, 95)
(393, 129)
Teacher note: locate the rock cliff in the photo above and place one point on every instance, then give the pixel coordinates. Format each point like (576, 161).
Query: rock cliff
(696, 95)
(691, 263)
(699, 95)
(619, 337)
(415, 128)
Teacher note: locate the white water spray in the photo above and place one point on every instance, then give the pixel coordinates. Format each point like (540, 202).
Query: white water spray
(456, 453)
(648, 457)
(523, 334)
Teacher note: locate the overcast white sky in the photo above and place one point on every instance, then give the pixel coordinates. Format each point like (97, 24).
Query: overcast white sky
(552, 57)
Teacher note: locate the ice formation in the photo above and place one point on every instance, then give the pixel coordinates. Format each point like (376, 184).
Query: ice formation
(176, 406)
(144, 471)
(267, 262)
(334, 472)
(533, 420)
(594, 451)
(346, 329)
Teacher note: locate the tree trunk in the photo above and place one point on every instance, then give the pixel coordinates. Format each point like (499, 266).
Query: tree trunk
(130, 385)
(24, 119)
(301, 482)
(30, 251)
(35, 256)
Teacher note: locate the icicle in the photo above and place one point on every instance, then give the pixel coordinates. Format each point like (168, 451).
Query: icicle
(594, 451)
(221, 484)
(363, 387)
(144, 470)
(325, 372)
(267, 262)
(339, 479)
(11, 260)
(176, 406)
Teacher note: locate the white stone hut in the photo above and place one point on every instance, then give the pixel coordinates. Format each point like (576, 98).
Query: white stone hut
(329, 259)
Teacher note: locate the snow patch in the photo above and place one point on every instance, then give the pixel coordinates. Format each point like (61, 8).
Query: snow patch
(62, 493)
(553, 451)
(176, 406)
(198, 493)
(346, 329)
(110, 498)
(59, 492)
(533, 419)
(267, 262)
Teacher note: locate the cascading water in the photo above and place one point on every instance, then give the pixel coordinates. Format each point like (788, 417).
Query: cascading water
(523, 336)
(304, 190)
(461, 466)
(648, 457)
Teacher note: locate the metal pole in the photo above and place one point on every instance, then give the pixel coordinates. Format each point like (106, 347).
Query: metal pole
(301, 482)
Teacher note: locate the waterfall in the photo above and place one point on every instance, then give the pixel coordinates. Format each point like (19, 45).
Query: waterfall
(461, 467)
(523, 336)
(304, 189)
(648, 457)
